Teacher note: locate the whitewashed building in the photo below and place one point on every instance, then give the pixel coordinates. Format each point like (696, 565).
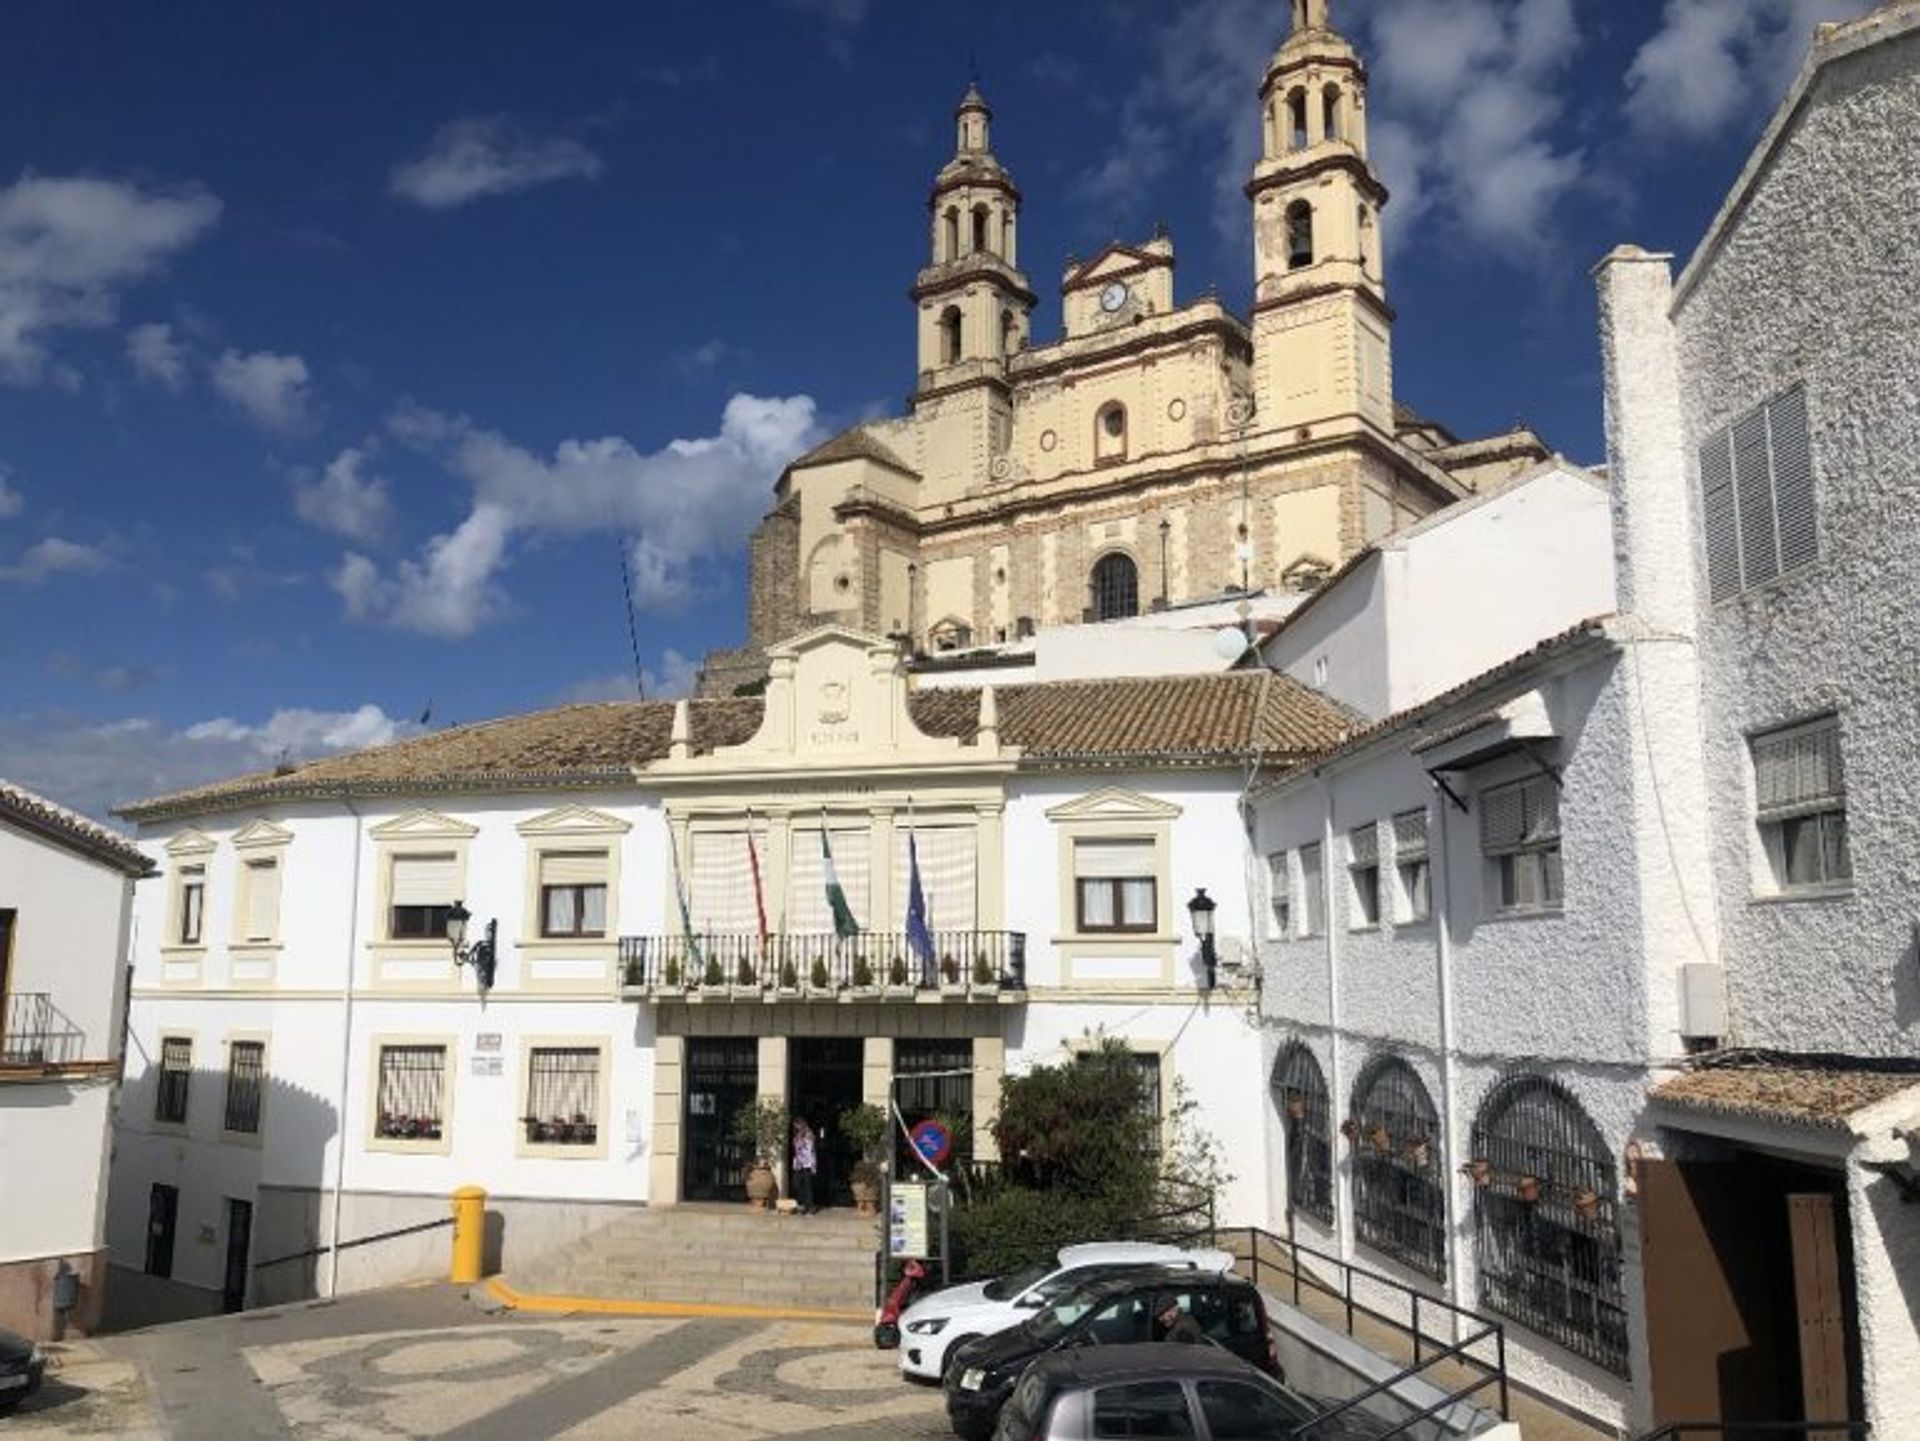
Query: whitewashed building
(310, 1065)
(66, 896)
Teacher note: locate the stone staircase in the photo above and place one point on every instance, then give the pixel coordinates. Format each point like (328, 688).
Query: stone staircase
(722, 1255)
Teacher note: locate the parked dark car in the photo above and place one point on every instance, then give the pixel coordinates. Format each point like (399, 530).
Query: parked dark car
(1225, 1310)
(21, 1368)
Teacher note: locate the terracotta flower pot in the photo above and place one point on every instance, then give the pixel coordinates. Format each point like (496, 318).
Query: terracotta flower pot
(1587, 1203)
(1529, 1189)
(1350, 1129)
(1382, 1142)
(1296, 1106)
(1419, 1154)
(762, 1188)
(866, 1197)
(1481, 1169)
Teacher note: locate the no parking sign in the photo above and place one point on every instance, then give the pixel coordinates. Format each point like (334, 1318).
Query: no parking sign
(932, 1141)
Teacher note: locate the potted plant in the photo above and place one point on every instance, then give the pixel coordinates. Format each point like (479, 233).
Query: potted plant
(1296, 1105)
(862, 974)
(1382, 1142)
(982, 971)
(865, 1127)
(762, 1128)
(897, 973)
(1419, 1153)
(949, 971)
(743, 975)
(1481, 1169)
(713, 976)
(789, 977)
(1586, 1202)
(1528, 1189)
(670, 974)
(1350, 1128)
(818, 978)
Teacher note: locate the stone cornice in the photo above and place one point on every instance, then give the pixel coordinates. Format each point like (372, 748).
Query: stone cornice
(1135, 341)
(1319, 292)
(1008, 281)
(1348, 161)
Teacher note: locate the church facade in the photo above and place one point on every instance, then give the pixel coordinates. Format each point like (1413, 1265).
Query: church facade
(1156, 452)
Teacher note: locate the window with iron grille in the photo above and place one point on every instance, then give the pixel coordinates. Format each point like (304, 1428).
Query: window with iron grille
(1313, 895)
(1398, 1206)
(1115, 885)
(1756, 496)
(563, 1096)
(1520, 838)
(193, 904)
(1411, 867)
(246, 1067)
(1280, 894)
(1116, 587)
(176, 1075)
(573, 893)
(1363, 875)
(410, 1104)
(1546, 1219)
(1800, 788)
(423, 892)
(1300, 1093)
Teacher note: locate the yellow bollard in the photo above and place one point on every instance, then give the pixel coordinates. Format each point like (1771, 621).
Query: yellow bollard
(469, 1234)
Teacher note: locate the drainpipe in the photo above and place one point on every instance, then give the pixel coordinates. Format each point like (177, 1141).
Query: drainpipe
(1440, 899)
(346, 1053)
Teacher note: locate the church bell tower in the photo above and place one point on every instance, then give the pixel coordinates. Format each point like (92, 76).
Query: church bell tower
(1322, 329)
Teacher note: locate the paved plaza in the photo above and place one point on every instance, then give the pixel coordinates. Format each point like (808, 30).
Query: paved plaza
(427, 1362)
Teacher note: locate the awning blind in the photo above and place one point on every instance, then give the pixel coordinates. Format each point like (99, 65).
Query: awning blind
(425, 880)
(1112, 859)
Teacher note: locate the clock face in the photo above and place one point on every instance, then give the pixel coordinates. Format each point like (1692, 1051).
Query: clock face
(1114, 296)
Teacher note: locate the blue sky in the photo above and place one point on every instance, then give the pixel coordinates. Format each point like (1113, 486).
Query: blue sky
(343, 349)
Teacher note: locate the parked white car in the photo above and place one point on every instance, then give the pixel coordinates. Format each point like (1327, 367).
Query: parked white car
(932, 1328)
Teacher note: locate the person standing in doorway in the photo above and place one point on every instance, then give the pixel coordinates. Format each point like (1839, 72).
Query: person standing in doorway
(805, 1162)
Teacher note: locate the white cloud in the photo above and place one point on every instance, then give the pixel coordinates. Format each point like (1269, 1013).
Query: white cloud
(685, 504)
(470, 159)
(94, 767)
(54, 556)
(68, 246)
(347, 501)
(157, 357)
(671, 678)
(271, 390)
(11, 501)
(1713, 62)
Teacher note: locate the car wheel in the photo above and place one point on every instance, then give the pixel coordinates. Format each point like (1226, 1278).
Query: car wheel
(973, 1430)
(10, 1405)
(953, 1355)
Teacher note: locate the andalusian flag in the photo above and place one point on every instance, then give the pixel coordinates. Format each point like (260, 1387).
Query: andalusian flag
(844, 925)
(686, 913)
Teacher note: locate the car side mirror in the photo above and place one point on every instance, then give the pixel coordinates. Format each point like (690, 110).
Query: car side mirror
(1028, 1303)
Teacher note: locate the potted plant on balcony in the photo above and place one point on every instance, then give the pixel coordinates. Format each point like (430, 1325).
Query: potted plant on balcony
(865, 1127)
(1481, 1169)
(762, 1128)
(949, 974)
(897, 975)
(1528, 1189)
(713, 975)
(744, 976)
(863, 981)
(789, 979)
(670, 976)
(983, 978)
(819, 979)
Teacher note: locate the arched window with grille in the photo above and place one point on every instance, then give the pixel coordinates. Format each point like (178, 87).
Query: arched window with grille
(1398, 1206)
(1300, 1095)
(1116, 587)
(1546, 1216)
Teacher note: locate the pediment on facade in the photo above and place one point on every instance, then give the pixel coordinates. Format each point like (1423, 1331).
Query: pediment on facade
(1114, 803)
(1115, 260)
(189, 842)
(423, 825)
(262, 833)
(573, 821)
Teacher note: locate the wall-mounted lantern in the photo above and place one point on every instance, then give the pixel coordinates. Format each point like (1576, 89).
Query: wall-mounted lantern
(1201, 908)
(480, 955)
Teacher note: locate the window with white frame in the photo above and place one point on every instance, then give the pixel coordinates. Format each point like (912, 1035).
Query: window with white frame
(1411, 867)
(1520, 838)
(246, 1073)
(1363, 876)
(1115, 885)
(423, 893)
(193, 905)
(176, 1076)
(410, 1104)
(563, 1096)
(808, 912)
(1280, 894)
(1756, 496)
(1313, 896)
(573, 893)
(260, 900)
(1800, 792)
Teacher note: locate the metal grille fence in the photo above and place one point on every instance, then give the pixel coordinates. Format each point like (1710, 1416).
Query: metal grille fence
(1300, 1091)
(1548, 1234)
(176, 1074)
(246, 1065)
(1398, 1207)
(1116, 587)
(411, 1079)
(563, 1096)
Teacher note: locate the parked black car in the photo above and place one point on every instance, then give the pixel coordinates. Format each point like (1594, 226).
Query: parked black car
(1160, 1390)
(21, 1369)
(1225, 1310)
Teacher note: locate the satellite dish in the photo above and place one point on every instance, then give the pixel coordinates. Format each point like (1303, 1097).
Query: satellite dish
(1230, 643)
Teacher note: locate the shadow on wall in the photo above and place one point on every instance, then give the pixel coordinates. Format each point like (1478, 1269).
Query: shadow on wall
(221, 1210)
(1906, 983)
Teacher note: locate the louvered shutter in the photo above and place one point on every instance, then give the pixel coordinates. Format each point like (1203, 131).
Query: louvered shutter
(425, 880)
(263, 899)
(573, 868)
(1363, 846)
(1313, 896)
(1753, 489)
(1719, 521)
(1503, 818)
(946, 875)
(1410, 835)
(1113, 860)
(1798, 771)
(720, 884)
(1793, 478)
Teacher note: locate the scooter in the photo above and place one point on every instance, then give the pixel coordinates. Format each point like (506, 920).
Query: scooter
(886, 1324)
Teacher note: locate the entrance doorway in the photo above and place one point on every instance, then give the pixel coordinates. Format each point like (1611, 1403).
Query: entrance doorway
(163, 1213)
(723, 1078)
(233, 1288)
(825, 1083)
(1751, 1307)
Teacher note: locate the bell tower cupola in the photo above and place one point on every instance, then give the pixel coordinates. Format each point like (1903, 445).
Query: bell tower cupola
(1322, 326)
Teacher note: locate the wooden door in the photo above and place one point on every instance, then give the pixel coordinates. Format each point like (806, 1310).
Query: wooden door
(233, 1289)
(163, 1213)
(1820, 1309)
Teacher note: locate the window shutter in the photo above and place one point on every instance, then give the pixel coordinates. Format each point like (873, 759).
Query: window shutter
(1278, 880)
(425, 880)
(1543, 808)
(1503, 818)
(1363, 845)
(946, 875)
(1718, 519)
(719, 882)
(1793, 478)
(1753, 488)
(263, 899)
(1798, 769)
(1113, 860)
(1410, 835)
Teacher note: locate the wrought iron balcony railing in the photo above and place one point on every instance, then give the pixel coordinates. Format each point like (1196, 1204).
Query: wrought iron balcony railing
(34, 1034)
(984, 964)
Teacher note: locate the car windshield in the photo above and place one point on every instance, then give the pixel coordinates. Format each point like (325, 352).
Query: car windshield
(1005, 1288)
(1050, 1323)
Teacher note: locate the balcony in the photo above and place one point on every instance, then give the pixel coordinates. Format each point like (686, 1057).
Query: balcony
(977, 966)
(35, 1037)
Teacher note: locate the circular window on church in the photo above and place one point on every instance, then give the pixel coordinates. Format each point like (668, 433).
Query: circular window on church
(1176, 410)
(1048, 440)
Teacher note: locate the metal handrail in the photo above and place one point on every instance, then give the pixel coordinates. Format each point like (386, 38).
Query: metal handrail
(969, 960)
(1680, 1430)
(312, 1251)
(33, 1032)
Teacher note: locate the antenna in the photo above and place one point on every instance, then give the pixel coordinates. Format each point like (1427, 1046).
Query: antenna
(633, 631)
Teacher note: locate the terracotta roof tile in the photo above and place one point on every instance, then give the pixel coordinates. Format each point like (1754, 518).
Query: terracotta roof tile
(1799, 1091)
(36, 813)
(854, 444)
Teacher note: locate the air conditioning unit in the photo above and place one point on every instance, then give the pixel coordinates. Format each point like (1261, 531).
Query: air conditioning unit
(1703, 1000)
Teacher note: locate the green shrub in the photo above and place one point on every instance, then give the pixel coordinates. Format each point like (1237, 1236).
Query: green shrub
(1016, 1225)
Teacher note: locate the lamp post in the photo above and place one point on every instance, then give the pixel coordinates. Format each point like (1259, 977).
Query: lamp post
(481, 954)
(1201, 908)
(1166, 529)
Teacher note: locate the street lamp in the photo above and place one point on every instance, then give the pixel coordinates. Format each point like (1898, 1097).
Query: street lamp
(479, 955)
(1201, 908)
